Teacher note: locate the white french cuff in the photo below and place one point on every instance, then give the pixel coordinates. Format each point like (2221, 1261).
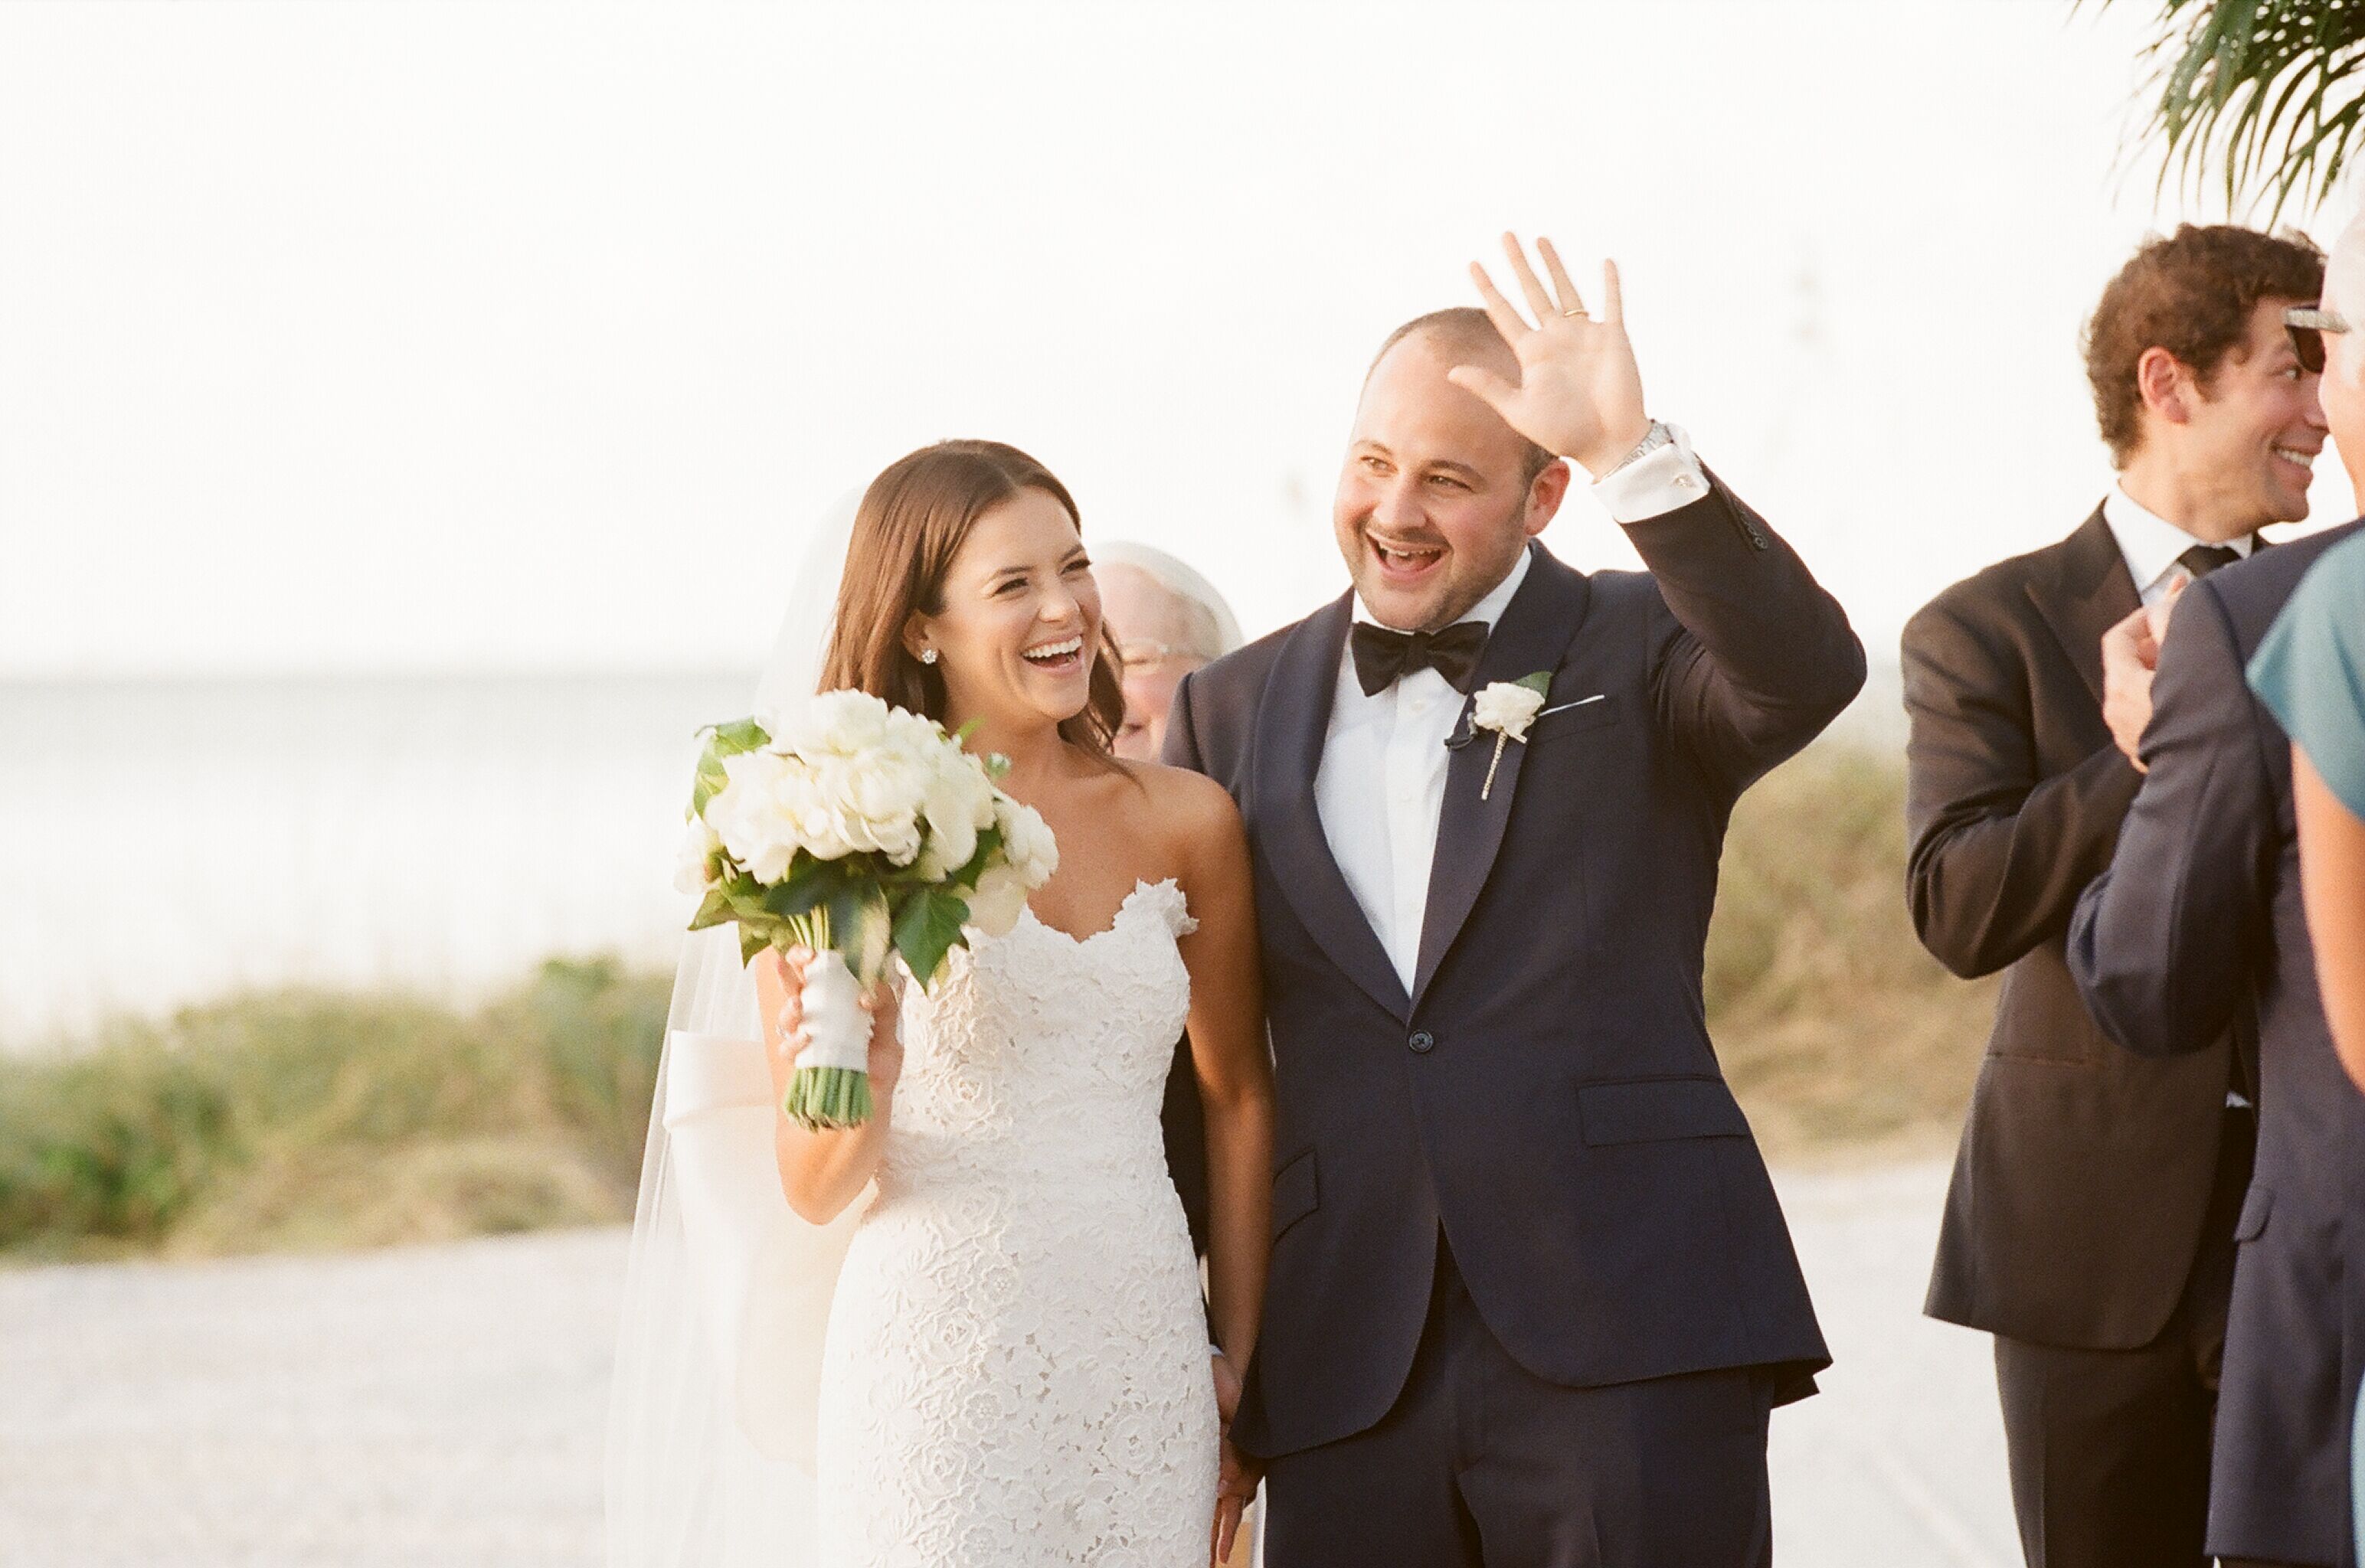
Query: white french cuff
(1656, 483)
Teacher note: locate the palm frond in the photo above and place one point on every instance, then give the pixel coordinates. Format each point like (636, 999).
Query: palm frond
(2266, 94)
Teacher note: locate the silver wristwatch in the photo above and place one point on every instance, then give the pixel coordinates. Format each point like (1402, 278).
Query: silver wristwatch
(1657, 436)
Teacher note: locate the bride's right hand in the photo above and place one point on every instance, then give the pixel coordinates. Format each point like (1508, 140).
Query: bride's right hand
(780, 988)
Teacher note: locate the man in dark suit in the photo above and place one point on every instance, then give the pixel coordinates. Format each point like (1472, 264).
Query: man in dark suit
(2197, 925)
(2089, 1223)
(1531, 1293)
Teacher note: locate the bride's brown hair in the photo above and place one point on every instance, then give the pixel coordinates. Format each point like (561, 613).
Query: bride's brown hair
(912, 521)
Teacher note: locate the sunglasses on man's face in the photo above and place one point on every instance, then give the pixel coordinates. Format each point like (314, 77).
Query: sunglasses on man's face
(2307, 324)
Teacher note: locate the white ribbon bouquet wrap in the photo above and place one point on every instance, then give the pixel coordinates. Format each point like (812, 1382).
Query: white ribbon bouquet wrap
(866, 834)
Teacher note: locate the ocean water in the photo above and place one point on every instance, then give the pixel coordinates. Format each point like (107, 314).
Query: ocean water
(169, 841)
(166, 842)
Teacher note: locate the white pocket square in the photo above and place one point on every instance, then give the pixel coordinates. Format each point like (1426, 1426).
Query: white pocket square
(1580, 703)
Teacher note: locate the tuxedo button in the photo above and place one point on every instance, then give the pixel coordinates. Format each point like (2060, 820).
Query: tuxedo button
(1422, 1041)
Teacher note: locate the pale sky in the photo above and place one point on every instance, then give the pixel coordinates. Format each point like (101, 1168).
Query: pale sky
(368, 337)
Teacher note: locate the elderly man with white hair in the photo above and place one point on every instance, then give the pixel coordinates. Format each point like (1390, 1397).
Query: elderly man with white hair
(2197, 925)
(1168, 621)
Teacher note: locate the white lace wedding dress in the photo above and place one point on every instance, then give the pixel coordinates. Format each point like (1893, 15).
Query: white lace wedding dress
(1016, 1371)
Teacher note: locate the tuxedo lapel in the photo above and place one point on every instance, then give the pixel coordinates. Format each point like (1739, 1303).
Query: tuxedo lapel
(1292, 725)
(1536, 629)
(2092, 592)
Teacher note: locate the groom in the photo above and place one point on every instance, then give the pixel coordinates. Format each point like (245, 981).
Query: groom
(1532, 1294)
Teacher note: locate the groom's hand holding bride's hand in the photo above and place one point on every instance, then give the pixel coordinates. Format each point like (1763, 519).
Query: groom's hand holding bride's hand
(780, 988)
(1236, 1480)
(1227, 1388)
(1236, 1488)
(1579, 395)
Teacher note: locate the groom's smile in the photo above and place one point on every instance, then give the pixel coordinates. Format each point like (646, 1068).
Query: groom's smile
(1404, 563)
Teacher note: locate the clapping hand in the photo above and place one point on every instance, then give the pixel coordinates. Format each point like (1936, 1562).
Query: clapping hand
(1579, 395)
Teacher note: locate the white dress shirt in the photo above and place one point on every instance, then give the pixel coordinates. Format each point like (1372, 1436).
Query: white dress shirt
(1381, 787)
(2151, 543)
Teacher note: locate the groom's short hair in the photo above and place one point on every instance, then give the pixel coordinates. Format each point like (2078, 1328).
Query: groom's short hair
(2192, 293)
(1466, 334)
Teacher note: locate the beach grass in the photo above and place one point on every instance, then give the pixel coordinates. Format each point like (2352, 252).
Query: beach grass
(295, 1120)
(300, 1120)
(1842, 1037)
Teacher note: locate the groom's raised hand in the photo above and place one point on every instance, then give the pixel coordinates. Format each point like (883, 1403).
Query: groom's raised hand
(1579, 393)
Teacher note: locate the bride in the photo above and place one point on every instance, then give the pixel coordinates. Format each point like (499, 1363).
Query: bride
(1015, 1366)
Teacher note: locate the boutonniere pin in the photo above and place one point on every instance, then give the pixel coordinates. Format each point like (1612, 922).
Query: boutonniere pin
(1507, 708)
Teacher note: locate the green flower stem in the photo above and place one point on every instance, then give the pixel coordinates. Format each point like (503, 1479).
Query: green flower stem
(822, 1099)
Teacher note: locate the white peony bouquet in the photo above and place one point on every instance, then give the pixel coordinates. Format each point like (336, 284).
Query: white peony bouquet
(862, 832)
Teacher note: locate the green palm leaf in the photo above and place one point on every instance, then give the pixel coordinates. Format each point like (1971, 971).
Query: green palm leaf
(2264, 93)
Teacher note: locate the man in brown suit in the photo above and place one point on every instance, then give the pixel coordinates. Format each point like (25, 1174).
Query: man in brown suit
(2089, 1223)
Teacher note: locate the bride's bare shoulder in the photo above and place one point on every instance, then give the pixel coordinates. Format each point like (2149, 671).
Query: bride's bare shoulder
(1198, 797)
(1190, 813)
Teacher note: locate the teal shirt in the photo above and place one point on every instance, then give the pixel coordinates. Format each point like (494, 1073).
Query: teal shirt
(2310, 669)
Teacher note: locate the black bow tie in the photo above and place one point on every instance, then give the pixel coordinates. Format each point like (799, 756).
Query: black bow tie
(1382, 658)
(2203, 559)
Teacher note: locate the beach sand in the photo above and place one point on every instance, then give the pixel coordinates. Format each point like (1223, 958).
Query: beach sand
(444, 1406)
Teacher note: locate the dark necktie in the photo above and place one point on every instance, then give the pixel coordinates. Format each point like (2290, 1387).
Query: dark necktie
(2203, 559)
(1382, 658)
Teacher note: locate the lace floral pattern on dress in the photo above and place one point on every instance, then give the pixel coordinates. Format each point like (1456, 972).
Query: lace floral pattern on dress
(1016, 1367)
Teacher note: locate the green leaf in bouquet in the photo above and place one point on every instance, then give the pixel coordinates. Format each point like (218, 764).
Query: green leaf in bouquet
(751, 942)
(810, 884)
(708, 784)
(713, 910)
(745, 896)
(989, 845)
(721, 741)
(926, 928)
(860, 929)
(738, 735)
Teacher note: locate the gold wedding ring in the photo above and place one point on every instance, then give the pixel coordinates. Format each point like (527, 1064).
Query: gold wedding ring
(1578, 311)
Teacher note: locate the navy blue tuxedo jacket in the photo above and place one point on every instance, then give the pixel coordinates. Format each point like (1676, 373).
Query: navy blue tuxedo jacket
(2197, 925)
(1546, 1093)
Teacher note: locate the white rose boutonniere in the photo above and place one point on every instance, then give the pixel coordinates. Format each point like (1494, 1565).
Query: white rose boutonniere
(1507, 708)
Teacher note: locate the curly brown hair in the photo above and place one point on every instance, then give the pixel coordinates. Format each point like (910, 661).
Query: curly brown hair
(2192, 293)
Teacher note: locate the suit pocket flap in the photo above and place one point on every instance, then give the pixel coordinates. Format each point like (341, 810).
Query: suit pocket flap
(2256, 1203)
(1660, 1108)
(1295, 1193)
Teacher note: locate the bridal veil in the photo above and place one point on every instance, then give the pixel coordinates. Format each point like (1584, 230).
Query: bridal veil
(727, 1291)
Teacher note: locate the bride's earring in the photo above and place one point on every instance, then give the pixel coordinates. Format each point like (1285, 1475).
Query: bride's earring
(928, 656)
